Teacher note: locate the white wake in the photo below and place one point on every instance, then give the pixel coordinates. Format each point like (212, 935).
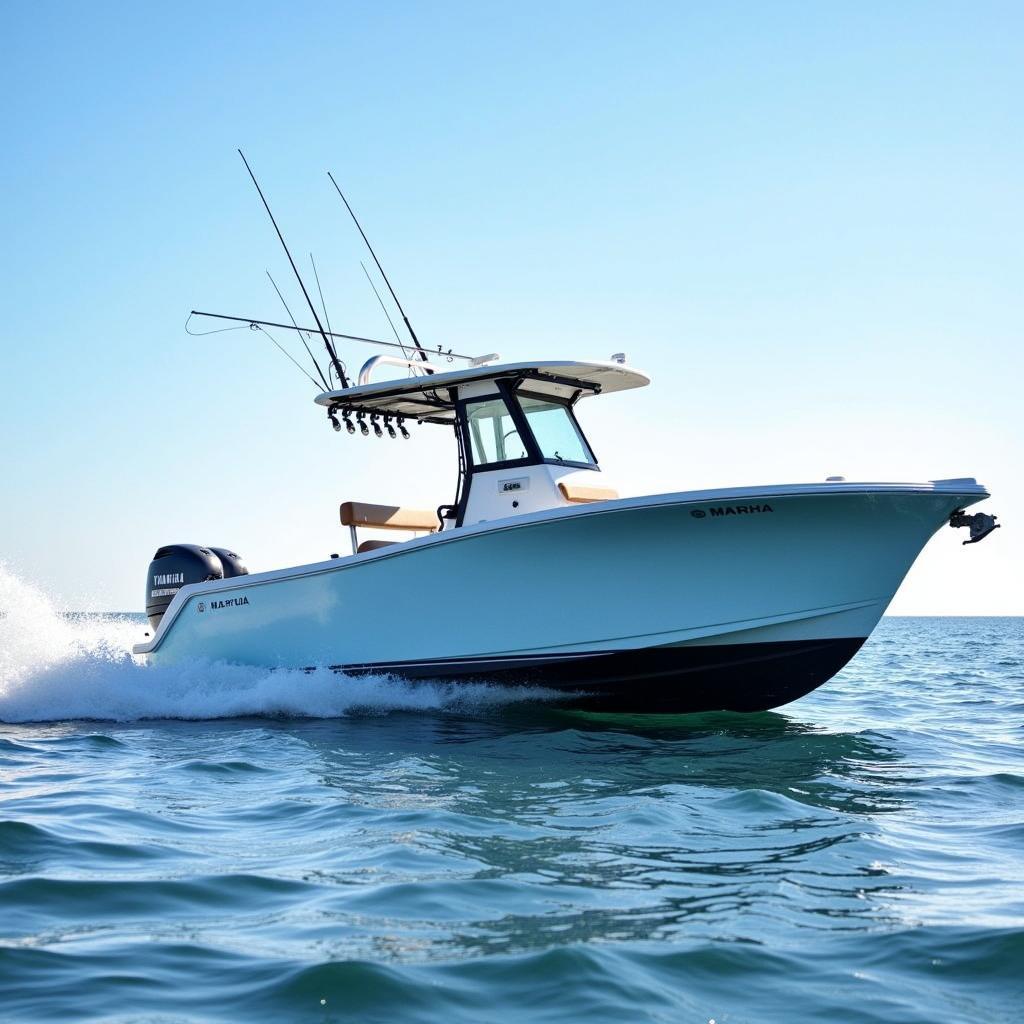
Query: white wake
(55, 666)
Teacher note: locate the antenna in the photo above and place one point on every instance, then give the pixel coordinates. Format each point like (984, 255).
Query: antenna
(355, 220)
(335, 362)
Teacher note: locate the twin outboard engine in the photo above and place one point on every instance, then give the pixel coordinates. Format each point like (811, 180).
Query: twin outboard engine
(177, 565)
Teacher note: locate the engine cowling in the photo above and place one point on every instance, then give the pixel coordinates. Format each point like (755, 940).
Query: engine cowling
(231, 563)
(177, 565)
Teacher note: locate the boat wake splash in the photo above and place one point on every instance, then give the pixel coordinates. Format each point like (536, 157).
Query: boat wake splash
(56, 666)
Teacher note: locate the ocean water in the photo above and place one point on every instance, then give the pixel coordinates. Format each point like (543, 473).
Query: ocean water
(216, 843)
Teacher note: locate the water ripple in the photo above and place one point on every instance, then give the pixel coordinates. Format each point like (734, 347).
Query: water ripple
(856, 857)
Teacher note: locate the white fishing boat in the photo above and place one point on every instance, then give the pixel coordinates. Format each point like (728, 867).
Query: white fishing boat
(542, 575)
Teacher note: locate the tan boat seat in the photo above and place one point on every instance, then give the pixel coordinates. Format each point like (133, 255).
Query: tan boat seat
(387, 517)
(372, 545)
(575, 493)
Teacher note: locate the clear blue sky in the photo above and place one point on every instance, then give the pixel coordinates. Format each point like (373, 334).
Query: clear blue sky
(803, 219)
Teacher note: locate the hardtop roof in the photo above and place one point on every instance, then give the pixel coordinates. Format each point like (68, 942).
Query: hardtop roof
(427, 397)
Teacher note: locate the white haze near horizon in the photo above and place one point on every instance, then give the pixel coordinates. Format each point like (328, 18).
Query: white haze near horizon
(803, 222)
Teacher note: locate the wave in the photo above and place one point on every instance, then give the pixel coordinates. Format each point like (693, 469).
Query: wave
(56, 666)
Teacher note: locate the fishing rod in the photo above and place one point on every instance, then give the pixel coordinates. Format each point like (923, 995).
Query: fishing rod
(250, 322)
(384, 309)
(335, 361)
(302, 337)
(323, 305)
(355, 220)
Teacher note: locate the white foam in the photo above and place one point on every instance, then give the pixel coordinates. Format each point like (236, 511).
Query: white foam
(55, 666)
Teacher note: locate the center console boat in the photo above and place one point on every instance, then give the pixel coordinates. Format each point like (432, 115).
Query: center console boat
(540, 574)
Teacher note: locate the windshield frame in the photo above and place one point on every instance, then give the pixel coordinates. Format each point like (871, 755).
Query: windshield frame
(567, 405)
(509, 391)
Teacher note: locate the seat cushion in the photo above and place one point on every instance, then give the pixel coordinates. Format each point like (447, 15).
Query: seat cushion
(387, 517)
(576, 493)
(372, 545)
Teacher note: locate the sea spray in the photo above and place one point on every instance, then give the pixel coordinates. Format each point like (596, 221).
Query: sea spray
(56, 666)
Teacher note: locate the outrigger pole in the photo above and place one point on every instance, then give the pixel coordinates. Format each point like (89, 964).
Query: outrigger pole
(335, 361)
(250, 322)
(408, 326)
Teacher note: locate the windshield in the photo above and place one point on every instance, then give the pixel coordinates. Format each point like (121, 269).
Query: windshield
(555, 430)
(493, 433)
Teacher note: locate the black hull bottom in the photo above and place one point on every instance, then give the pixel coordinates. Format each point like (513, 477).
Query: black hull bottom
(662, 680)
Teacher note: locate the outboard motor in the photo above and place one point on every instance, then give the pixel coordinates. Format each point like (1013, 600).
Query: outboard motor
(172, 568)
(231, 563)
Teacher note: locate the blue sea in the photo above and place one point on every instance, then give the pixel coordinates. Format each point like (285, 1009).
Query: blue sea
(217, 843)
